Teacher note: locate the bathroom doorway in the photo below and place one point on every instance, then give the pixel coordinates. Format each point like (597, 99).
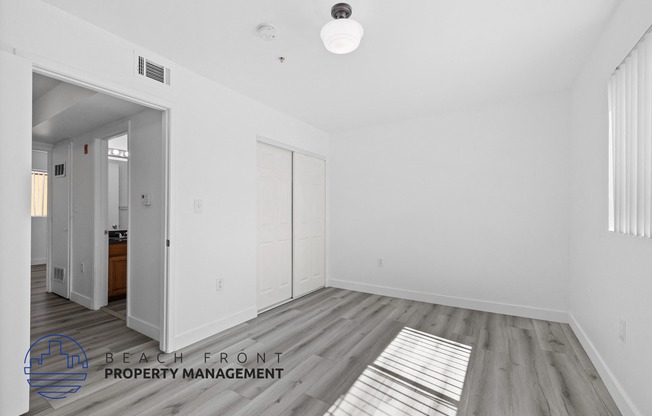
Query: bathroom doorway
(117, 225)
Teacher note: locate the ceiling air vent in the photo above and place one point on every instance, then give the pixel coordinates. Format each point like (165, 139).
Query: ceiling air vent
(152, 70)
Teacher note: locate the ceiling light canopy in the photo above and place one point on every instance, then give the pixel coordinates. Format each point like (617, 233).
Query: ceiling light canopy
(341, 35)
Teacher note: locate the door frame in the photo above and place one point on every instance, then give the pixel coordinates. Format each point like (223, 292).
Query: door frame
(294, 149)
(291, 148)
(52, 69)
(101, 168)
(47, 148)
(15, 166)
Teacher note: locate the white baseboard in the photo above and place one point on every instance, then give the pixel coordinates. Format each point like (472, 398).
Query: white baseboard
(481, 305)
(143, 327)
(621, 398)
(85, 301)
(190, 337)
(39, 261)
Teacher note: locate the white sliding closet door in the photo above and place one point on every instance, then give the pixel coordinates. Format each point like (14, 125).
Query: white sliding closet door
(309, 214)
(274, 250)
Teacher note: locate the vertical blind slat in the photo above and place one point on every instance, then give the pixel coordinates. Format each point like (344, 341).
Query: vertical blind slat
(628, 147)
(33, 191)
(45, 195)
(616, 145)
(647, 131)
(610, 97)
(630, 143)
(617, 164)
(633, 142)
(640, 144)
(623, 153)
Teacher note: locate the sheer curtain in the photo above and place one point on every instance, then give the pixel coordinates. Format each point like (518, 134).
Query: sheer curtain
(630, 142)
(39, 194)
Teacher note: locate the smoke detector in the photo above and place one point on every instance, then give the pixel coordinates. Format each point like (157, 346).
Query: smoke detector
(267, 32)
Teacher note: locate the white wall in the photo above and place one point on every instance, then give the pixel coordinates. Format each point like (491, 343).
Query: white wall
(39, 160)
(467, 208)
(83, 220)
(146, 237)
(39, 240)
(212, 154)
(213, 158)
(610, 274)
(39, 224)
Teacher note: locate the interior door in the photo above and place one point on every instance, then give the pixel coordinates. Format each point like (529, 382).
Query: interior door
(309, 217)
(274, 245)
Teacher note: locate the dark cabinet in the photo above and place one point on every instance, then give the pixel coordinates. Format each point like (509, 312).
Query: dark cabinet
(117, 270)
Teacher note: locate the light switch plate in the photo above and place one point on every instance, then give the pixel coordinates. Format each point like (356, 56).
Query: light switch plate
(146, 199)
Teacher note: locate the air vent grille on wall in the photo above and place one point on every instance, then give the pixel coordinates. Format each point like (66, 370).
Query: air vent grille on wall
(141, 65)
(59, 274)
(152, 70)
(59, 170)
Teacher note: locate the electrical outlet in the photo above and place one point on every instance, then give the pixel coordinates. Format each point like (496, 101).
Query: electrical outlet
(379, 263)
(622, 330)
(81, 267)
(219, 284)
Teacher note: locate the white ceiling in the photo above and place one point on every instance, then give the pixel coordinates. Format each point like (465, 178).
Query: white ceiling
(41, 85)
(417, 57)
(62, 111)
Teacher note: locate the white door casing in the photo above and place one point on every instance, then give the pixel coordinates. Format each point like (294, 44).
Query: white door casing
(309, 214)
(274, 230)
(15, 187)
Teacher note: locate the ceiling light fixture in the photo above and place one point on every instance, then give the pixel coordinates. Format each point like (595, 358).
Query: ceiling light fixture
(118, 153)
(341, 35)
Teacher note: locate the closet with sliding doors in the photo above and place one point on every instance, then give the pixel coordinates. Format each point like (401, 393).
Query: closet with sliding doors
(291, 216)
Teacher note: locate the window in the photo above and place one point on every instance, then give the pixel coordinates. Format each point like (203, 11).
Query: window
(630, 142)
(39, 194)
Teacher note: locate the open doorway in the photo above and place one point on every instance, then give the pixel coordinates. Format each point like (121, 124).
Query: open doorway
(117, 224)
(107, 203)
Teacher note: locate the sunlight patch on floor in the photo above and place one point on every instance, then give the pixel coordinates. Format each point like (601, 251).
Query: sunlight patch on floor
(416, 374)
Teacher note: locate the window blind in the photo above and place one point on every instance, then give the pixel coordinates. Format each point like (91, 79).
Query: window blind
(630, 142)
(39, 194)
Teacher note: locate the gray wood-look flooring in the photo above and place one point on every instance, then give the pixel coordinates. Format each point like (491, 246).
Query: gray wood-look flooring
(343, 353)
(117, 308)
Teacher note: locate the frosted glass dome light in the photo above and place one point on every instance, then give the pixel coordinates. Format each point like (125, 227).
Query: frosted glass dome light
(341, 35)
